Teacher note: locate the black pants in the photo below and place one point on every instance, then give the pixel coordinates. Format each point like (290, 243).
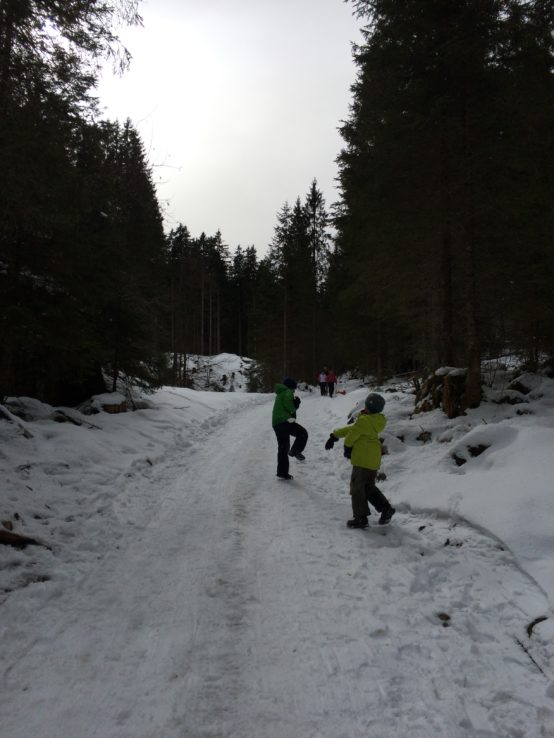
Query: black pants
(331, 386)
(284, 431)
(364, 490)
(323, 388)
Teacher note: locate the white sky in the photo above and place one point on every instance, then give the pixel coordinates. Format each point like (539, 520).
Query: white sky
(238, 103)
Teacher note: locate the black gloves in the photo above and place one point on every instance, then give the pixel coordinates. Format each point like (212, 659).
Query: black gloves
(296, 401)
(347, 450)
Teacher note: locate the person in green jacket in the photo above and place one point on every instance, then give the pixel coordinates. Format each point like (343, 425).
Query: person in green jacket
(363, 447)
(284, 424)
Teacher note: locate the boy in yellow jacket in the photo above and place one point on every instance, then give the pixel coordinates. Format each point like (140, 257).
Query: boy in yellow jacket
(363, 447)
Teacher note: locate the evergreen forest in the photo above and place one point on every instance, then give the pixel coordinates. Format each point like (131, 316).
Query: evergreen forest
(438, 252)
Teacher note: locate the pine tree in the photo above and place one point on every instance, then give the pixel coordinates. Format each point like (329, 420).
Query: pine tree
(243, 277)
(49, 53)
(426, 171)
(133, 307)
(178, 255)
(318, 240)
(298, 256)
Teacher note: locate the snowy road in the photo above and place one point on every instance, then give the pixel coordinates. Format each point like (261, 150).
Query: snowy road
(240, 606)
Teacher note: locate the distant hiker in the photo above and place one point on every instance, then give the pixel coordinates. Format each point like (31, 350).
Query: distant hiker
(363, 448)
(322, 379)
(331, 381)
(284, 424)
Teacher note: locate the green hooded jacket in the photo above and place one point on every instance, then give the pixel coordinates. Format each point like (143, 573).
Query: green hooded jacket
(283, 407)
(363, 438)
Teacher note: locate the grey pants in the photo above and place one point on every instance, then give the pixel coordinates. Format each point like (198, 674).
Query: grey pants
(363, 489)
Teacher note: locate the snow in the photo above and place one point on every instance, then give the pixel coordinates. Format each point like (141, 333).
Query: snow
(451, 371)
(223, 372)
(107, 398)
(184, 592)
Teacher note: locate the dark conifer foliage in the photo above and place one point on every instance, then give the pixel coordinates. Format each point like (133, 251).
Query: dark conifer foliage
(295, 272)
(201, 298)
(89, 285)
(443, 245)
(243, 294)
(270, 310)
(444, 224)
(129, 292)
(81, 242)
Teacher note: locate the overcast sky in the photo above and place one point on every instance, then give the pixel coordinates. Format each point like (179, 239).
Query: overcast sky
(238, 104)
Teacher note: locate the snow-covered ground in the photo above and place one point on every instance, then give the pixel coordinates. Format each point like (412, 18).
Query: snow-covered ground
(222, 372)
(184, 592)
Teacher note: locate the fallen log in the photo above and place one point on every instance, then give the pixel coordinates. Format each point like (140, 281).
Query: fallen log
(17, 541)
(13, 419)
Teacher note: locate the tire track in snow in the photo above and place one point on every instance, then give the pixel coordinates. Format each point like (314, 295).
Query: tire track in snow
(255, 613)
(334, 609)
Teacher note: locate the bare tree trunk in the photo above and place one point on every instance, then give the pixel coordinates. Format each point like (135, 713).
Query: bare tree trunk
(314, 367)
(446, 348)
(116, 352)
(285, 332)
(202, 297)
(181, 348)
(218, 322)
(7, 26)
(115, 369)
(240, 330)
(379, 367)
(446, 352)
(253, 335)
(473, 381)
(210, 321)
(184, 375)
(314, 339)
(173, 329)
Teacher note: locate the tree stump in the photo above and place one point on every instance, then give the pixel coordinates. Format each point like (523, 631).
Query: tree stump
(445, 389)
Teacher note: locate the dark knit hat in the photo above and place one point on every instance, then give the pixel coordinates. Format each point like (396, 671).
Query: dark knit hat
(290, 383)
(374, 403)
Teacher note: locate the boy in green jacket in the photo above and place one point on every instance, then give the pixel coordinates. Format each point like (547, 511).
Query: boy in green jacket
(363, 447)
(284, 424)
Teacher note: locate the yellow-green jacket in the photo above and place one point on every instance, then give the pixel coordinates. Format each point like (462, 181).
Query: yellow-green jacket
(363, 438)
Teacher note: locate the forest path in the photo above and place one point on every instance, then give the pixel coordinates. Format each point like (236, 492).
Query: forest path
(240, 606)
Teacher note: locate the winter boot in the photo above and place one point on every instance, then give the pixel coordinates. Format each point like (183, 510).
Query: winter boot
(359, 522)
(386, 515)
(297, 455)
(285, 476)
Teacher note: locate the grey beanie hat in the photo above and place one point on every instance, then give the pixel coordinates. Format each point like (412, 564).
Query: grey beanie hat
(374, 403)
